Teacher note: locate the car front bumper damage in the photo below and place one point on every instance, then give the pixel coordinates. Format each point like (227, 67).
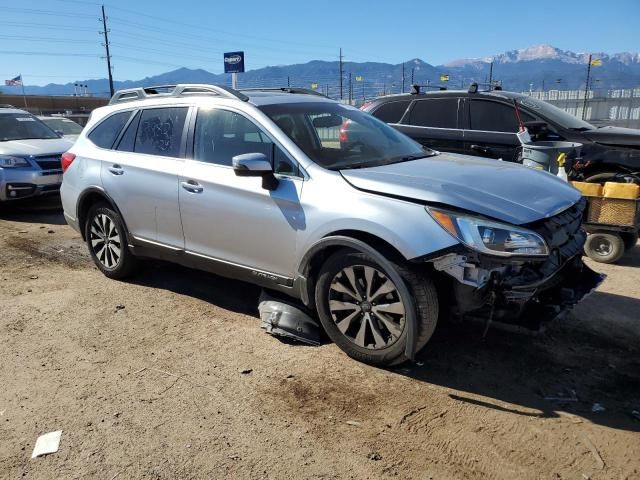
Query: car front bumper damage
(509, 296)
(523, 294)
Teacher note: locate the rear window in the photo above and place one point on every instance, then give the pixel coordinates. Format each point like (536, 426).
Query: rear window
(106, 132)
(435, 112)
(391, 112)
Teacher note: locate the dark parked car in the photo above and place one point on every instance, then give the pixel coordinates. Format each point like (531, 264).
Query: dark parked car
(485, 124)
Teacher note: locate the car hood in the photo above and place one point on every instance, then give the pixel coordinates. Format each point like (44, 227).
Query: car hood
(35, 147)
(628, 137)
(501, 190)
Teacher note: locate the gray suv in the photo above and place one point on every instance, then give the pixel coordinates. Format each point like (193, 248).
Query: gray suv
(30, 156)
(380, 238)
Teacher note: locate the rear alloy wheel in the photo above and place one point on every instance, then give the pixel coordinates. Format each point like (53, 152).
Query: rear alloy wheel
(365, 306)
(104, 232)
(604, 247)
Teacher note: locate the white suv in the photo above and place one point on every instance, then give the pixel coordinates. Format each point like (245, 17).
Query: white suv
(377, 236)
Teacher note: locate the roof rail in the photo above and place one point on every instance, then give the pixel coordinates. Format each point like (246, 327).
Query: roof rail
(304, 91)
(180, 90)
(415, 88)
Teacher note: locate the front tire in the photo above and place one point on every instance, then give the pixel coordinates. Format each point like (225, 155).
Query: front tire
(364, 306)
(107, 242)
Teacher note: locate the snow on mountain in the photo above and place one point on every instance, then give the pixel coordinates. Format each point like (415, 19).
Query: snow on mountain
(544, 52)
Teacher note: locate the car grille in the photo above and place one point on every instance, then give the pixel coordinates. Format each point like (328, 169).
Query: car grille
(564, 236)
(51, 164)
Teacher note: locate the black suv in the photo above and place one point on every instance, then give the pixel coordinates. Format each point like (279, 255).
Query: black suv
(485, 124)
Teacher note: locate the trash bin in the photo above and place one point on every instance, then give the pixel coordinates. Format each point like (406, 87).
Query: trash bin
(546, 155)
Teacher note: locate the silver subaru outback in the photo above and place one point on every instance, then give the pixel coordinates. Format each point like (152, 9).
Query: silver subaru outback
(380, 237)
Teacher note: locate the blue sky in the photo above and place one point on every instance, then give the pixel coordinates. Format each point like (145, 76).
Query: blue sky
(154, 36)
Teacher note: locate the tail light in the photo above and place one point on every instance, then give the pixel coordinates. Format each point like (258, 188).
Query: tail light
(66, 160)
(344, 135)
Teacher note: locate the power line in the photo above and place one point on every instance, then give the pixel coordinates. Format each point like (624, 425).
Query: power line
(48, 54)
(56, 13)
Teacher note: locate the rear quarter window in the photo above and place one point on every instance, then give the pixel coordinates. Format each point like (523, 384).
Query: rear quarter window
(391, 112)
(105, 134)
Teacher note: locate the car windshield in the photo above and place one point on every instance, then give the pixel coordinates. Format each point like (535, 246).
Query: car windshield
(23, 126)
(555, 114)
(66, 126)
(337, 136)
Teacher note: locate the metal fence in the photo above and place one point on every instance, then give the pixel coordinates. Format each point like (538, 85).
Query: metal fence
(603, 107)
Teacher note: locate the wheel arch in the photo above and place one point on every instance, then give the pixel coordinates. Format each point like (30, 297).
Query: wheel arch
(357, 240)
(379, 249)
(90, 197)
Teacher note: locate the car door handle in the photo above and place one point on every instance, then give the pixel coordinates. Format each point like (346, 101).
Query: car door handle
(480, 148)
(192, 186)
(116, 170)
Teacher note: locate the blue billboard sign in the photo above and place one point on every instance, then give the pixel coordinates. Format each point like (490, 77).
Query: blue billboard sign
(234, 62)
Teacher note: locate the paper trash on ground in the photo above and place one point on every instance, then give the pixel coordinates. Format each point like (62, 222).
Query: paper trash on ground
(47, 443)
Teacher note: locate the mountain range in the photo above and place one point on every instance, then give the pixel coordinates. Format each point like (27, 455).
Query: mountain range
(537, 67)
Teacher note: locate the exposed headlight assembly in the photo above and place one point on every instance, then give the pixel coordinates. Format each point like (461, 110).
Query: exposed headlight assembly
(12, 162)
(492, 238)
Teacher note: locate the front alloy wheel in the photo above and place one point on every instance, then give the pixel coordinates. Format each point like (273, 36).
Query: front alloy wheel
(366, 304)
(366, 307)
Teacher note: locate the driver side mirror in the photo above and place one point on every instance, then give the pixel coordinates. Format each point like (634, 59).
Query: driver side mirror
(255, 165)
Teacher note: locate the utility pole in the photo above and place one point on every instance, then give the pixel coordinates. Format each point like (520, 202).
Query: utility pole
(491, 76)
(586, 90)
(288, 81)
(341, 74)
(412, 70)
(106, 46)
(402, 77)
(350, 88)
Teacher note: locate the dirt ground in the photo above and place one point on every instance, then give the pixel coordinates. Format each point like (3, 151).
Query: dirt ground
(169, 376)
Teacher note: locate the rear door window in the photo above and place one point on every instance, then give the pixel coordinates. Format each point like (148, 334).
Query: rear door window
(160, 131)
(391, 112)
(108, 130)
(492, 116)
(435, 113)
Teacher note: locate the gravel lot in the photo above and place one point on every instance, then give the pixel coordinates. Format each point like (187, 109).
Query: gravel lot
(169, 376)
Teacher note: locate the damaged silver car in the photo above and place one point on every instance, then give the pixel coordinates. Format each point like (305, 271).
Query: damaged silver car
(378, 235)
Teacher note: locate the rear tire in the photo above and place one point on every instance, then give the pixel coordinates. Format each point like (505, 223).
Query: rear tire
(107, 241)
(604, 247)
(365, 312)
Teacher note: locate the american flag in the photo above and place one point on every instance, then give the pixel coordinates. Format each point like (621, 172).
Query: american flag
(14, 81)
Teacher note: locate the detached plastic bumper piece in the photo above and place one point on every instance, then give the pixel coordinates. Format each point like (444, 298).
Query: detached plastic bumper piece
(285, 318)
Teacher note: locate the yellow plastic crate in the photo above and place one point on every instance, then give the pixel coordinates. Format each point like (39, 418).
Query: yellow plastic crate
(612, 211)
(588, 189)
(629, 191)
